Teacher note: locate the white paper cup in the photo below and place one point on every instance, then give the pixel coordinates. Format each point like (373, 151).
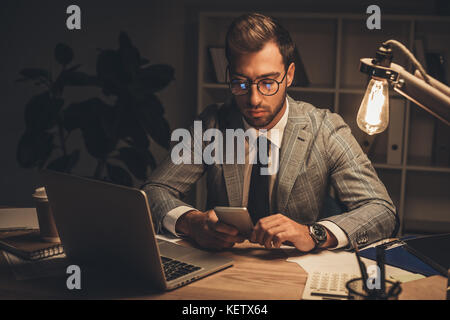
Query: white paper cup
(47, 226)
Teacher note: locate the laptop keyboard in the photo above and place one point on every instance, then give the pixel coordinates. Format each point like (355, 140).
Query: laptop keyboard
(174, 269)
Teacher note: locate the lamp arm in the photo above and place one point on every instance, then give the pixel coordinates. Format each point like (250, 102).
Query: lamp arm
(434, 99)
(410, 56)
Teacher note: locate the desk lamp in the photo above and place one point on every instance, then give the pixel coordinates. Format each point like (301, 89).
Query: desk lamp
(420, 88)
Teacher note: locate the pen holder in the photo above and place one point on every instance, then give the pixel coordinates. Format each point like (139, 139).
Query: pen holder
(356, 291)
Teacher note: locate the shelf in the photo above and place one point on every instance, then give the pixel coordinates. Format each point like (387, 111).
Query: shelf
(211, 85)
(362, 91)
(428, 169)
(424, 164)
(387, 166)
(425, 226)
(411, 168)
(318, 15)
(428, 201)
(358, 43)
(312, 89)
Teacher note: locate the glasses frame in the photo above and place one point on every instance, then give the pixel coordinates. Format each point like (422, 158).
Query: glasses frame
(251, 83)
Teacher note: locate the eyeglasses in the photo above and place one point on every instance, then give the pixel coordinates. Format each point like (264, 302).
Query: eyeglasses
(266, 86)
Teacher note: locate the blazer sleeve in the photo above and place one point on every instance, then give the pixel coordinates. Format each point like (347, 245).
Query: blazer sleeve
(169, 182)
(371, 214)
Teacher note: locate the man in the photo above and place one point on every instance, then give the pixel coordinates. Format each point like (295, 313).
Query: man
(315, 150)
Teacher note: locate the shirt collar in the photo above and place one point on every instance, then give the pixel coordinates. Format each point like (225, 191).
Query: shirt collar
(281, 124)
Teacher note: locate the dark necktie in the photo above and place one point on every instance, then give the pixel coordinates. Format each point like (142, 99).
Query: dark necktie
(258, 195)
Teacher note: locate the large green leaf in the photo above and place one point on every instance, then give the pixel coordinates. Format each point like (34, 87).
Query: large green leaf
(63, 54)
(130, 127)
(119, 175)
(157, 76)
(110, 72)
(41, 112)
(34, 148)
(80, 114)
(130, 56)
(96, 120)
(96, 141)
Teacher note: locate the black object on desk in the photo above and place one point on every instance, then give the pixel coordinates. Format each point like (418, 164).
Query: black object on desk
(433, 250)
(398, 256)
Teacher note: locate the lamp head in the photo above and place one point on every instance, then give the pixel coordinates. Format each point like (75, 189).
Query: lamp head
(423, 90)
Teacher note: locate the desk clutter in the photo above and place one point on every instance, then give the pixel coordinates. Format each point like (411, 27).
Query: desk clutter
(328, 271)
(28, 256)
(404, 260)
(27, 244)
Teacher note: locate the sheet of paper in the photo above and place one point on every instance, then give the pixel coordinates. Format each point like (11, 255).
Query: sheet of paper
(18, 217)
(342, 261)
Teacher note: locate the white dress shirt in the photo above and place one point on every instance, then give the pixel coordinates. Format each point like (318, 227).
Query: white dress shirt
(275, 135)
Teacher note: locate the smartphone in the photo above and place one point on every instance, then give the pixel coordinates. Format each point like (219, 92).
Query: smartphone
(237, 217)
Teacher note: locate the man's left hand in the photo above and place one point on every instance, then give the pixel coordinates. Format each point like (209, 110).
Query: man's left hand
(277, 229)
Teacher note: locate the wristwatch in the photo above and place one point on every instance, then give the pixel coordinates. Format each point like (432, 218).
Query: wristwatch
(318, 233)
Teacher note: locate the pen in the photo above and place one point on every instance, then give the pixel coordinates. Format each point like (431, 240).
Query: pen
(381, 266)
(391, 243)
(362, 267)
(330, 295)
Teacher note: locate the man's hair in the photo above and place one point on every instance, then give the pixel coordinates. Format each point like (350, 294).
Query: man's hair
(249, 33)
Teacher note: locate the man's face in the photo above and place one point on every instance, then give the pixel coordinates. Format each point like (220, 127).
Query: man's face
(260, 111)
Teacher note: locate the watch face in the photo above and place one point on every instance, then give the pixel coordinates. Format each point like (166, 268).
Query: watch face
(320, 232)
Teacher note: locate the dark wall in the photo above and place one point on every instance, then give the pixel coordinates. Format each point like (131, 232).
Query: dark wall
(164, 31)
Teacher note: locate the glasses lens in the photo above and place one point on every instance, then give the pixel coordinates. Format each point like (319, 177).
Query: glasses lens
(238, 87)
(268, 87)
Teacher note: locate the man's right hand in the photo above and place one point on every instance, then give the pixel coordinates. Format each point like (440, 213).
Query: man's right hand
(206, 230)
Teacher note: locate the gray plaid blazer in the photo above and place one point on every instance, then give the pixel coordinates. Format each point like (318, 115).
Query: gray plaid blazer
(318, 152)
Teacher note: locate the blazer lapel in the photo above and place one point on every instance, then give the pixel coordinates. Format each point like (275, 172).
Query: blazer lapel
(294, 147)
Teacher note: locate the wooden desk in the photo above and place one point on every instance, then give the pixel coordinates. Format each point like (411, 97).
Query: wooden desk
(257, 273)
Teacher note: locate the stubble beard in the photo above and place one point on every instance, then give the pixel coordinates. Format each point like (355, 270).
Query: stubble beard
(257, 124)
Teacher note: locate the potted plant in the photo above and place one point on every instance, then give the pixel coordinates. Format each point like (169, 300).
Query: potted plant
(117, 134)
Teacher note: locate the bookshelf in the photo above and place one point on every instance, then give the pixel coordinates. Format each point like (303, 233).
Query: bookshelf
(330, 46)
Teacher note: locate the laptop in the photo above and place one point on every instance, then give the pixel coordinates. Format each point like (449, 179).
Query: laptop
(110, 226)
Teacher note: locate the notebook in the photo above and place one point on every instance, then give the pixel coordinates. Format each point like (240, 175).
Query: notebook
(28, 245)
